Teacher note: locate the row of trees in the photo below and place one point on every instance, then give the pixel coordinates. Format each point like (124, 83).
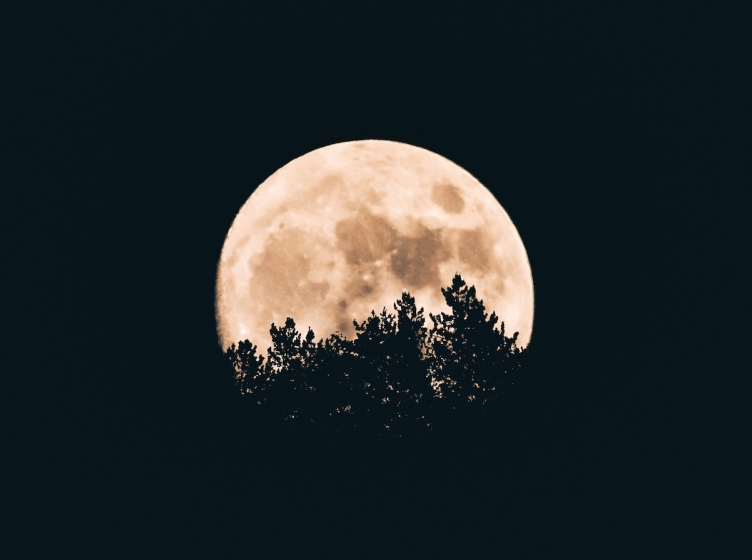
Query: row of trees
(395, 377)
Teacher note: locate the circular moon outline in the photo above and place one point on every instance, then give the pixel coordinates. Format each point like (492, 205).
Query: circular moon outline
(346, 228)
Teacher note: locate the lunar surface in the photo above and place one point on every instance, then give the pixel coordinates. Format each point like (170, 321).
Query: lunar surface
(345, 229)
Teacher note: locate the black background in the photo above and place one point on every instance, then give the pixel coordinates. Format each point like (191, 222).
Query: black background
(611, 134)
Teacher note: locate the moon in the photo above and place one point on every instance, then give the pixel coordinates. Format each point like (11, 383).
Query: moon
(346, 228)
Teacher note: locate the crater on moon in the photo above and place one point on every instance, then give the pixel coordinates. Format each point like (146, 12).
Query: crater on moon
(448, 197)
(344, 229)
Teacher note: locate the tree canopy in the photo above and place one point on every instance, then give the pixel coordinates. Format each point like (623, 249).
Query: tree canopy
(396, 376)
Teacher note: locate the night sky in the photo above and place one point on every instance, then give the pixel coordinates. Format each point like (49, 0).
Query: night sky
(610, 135)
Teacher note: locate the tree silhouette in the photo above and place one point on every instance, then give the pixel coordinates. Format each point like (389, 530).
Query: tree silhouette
(470, 356)
(394, 377)
(410, 379)
(248, 369)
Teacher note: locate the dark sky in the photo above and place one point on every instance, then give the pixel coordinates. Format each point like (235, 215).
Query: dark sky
(610, 134)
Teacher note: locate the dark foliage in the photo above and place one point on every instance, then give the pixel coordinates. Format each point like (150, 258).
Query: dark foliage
(396, 377)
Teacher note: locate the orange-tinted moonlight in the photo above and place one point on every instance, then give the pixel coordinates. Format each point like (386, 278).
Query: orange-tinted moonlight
(347, 228)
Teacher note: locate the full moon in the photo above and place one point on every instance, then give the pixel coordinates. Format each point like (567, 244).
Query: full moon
(346, 228)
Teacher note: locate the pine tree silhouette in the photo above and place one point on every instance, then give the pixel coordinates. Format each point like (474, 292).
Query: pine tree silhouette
(396, 377)
(248, 369)
(411, 379)
(469, 353)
